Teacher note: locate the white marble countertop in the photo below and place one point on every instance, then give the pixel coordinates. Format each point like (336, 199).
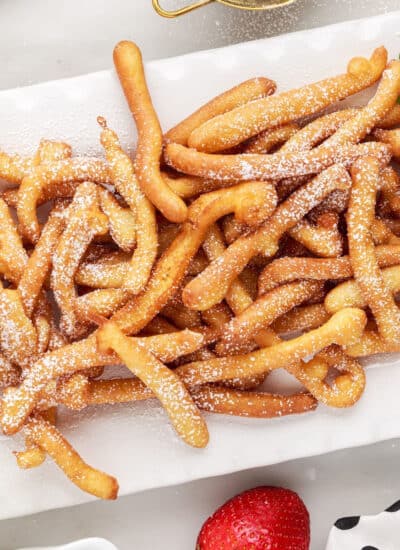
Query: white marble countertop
(360, 481)
(45, 40)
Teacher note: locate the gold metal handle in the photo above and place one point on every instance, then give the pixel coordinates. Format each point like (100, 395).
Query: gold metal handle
(181, 11)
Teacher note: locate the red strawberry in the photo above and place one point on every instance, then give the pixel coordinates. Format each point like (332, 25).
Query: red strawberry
(264, 518)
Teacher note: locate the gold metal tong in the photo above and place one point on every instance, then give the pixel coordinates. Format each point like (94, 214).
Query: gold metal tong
(252, 5)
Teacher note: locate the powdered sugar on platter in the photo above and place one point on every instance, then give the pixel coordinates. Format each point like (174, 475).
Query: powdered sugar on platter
(135, 442)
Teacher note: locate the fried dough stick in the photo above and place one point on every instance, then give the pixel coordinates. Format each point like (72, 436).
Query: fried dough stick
(40, 261)
(121, 222)
(316, 131)
(248, 167)
(165, 384)
(216, 399)
(130, 70)
(287, 269)
(18, 338)
(124, 179)
(88, 479)
(261, 314)
(361, 212)
(108, 271)
(372, 343)
(55, 180)
(234, 127)
(12, 252)
(323, 238)
(13, 168)
(85, 221)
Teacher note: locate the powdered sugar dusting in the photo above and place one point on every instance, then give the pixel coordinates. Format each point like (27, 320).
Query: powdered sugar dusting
(216, 361)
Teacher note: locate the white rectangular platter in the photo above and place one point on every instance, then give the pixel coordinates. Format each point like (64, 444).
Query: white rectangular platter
(135, 442)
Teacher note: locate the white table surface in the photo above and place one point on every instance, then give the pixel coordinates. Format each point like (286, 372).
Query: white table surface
(44, 40)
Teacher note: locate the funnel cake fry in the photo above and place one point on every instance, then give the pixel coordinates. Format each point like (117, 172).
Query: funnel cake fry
(54, 180)
(130, 70)
(165, 384)
(40, 261)
(86, 221)
(123, 174)
(365, 174)
(247, 167)
(262, 313)
(121, 222)
(284, 270)
(92, 481)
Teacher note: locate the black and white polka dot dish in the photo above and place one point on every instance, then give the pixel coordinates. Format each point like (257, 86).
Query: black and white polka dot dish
(380, 532)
